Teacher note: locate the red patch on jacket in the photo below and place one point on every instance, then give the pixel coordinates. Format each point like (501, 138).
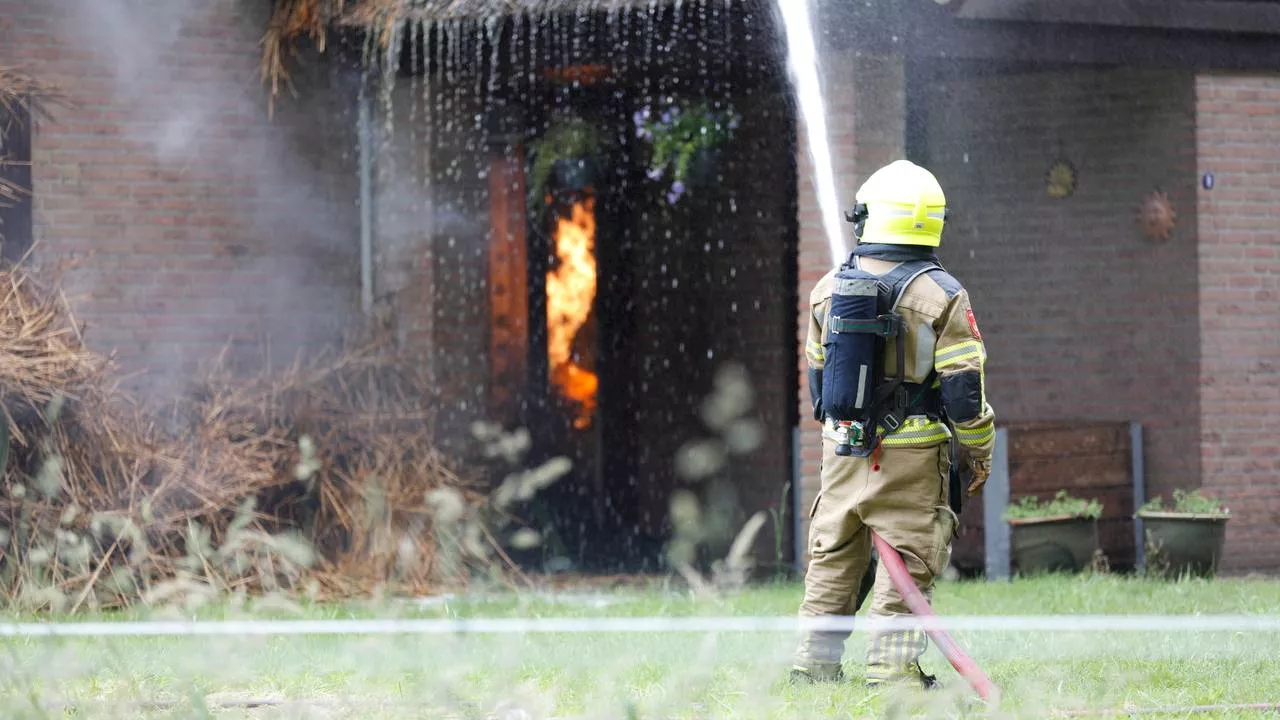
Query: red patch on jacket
(973, 324)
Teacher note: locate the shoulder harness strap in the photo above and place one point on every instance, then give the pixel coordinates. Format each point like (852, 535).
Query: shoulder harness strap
(892, 285)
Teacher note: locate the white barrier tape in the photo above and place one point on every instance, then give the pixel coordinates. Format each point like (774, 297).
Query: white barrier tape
(521, 626)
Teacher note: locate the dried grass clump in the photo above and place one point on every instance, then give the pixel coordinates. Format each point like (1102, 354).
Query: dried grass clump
(346, 444)
(320, 479)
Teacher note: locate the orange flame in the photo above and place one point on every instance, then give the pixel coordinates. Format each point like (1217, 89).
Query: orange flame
(571, 291)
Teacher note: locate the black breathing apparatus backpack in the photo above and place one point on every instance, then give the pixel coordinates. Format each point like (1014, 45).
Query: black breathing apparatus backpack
(863, 317)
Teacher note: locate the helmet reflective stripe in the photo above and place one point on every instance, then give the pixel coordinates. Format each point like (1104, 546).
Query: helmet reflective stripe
(909, 213)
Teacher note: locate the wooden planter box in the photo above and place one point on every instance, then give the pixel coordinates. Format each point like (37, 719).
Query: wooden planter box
(1183, 544)
(1054, 544)
(1089, 460)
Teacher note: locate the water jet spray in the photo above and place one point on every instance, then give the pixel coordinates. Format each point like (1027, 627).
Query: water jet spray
(803, 61)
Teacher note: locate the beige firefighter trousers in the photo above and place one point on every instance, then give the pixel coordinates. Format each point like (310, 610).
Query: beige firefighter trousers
(905, 502)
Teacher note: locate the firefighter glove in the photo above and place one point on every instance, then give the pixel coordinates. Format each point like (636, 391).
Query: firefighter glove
(981, 470)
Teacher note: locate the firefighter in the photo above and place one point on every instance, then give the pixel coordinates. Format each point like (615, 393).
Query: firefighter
(894, 474)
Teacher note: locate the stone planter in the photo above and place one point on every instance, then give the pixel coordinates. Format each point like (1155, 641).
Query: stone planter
(1182, 543)
(1064, 544)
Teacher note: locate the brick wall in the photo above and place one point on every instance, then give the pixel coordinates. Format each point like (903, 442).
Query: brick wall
(748, 306)
(460, 248)
(1238, 140)
(404, 261)
(1085, 319)
(865, 104)
(431, 239)
(197, 221)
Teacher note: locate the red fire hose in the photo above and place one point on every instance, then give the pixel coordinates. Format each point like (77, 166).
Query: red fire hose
(920, 606)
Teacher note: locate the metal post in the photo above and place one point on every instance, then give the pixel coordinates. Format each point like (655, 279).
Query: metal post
(995, 498)
(1138, 466)
(797, 501)
(365, 132)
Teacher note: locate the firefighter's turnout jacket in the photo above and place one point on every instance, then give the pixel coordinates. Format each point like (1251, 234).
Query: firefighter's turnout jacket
(941, 333)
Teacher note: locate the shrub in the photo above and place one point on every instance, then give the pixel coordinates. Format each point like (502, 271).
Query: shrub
(1193, 502)
(1062, 504)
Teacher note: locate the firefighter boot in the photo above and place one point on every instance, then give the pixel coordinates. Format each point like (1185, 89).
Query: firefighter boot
(913, 676)
(816, 673)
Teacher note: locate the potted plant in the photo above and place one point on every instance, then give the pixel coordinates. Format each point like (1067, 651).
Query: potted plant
(1058, 535)
(1187, 538)
(686, 144)
(567, 154)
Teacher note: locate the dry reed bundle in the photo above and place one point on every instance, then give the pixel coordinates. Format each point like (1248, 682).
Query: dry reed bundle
(290, 21)
(42, 355)
(323, 473)
(354, 463)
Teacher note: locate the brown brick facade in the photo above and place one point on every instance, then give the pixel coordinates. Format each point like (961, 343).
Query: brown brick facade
(195, 220)
(1238, 142)
(1085, 318)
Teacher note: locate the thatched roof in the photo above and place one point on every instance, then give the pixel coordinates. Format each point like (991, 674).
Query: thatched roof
(293, 20)
(378, 10)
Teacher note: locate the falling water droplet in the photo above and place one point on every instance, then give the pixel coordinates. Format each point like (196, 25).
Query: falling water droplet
(429, 116)
(415, 41)
(493, 30)
(579, 25)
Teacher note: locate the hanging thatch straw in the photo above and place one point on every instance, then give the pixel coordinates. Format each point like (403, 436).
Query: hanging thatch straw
(21, 93)
(23, 98)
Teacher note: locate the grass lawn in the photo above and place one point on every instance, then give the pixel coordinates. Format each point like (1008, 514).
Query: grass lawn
(677, 675)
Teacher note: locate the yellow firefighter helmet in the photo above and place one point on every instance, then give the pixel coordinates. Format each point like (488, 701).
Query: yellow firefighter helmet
(901, 204)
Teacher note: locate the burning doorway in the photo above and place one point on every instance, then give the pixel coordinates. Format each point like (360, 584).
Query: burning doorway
(559, 330)
(577, 300)
(576, 375)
